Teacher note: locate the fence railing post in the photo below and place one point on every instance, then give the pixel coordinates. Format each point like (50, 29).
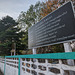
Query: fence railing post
(5, 66)
(61, 70)
(19, 67)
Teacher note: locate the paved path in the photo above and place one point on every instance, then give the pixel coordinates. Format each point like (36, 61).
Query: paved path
(1, 73)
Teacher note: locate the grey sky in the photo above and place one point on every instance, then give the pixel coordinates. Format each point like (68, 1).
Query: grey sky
(14, 7)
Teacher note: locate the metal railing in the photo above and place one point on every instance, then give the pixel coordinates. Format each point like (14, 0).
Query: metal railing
(38, 64)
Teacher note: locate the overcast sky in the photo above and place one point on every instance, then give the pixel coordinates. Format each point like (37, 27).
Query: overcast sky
(14, 7)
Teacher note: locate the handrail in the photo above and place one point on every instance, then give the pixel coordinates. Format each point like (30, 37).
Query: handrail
(67, 55)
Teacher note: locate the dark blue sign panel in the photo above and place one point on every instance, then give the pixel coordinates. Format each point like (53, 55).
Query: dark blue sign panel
(56, 27)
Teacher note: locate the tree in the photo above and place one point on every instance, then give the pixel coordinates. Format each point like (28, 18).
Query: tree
(49, 6)
(9, 29)
(6, 23)
(29, 18)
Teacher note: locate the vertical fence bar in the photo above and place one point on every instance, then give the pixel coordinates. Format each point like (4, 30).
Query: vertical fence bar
(61, 70)
(19, 67)
(47, 70)
(5, 66)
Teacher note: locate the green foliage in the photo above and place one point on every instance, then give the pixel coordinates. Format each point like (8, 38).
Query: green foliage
(29, 18)
(9, 30)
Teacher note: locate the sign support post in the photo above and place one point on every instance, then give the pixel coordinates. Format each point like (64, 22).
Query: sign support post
(34, 52)
(70, 62)
(11, 53)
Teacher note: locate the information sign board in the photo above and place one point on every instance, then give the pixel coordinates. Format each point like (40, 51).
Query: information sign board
(56, 27)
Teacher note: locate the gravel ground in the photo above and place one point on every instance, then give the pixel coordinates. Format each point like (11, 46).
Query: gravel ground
(1, 73)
